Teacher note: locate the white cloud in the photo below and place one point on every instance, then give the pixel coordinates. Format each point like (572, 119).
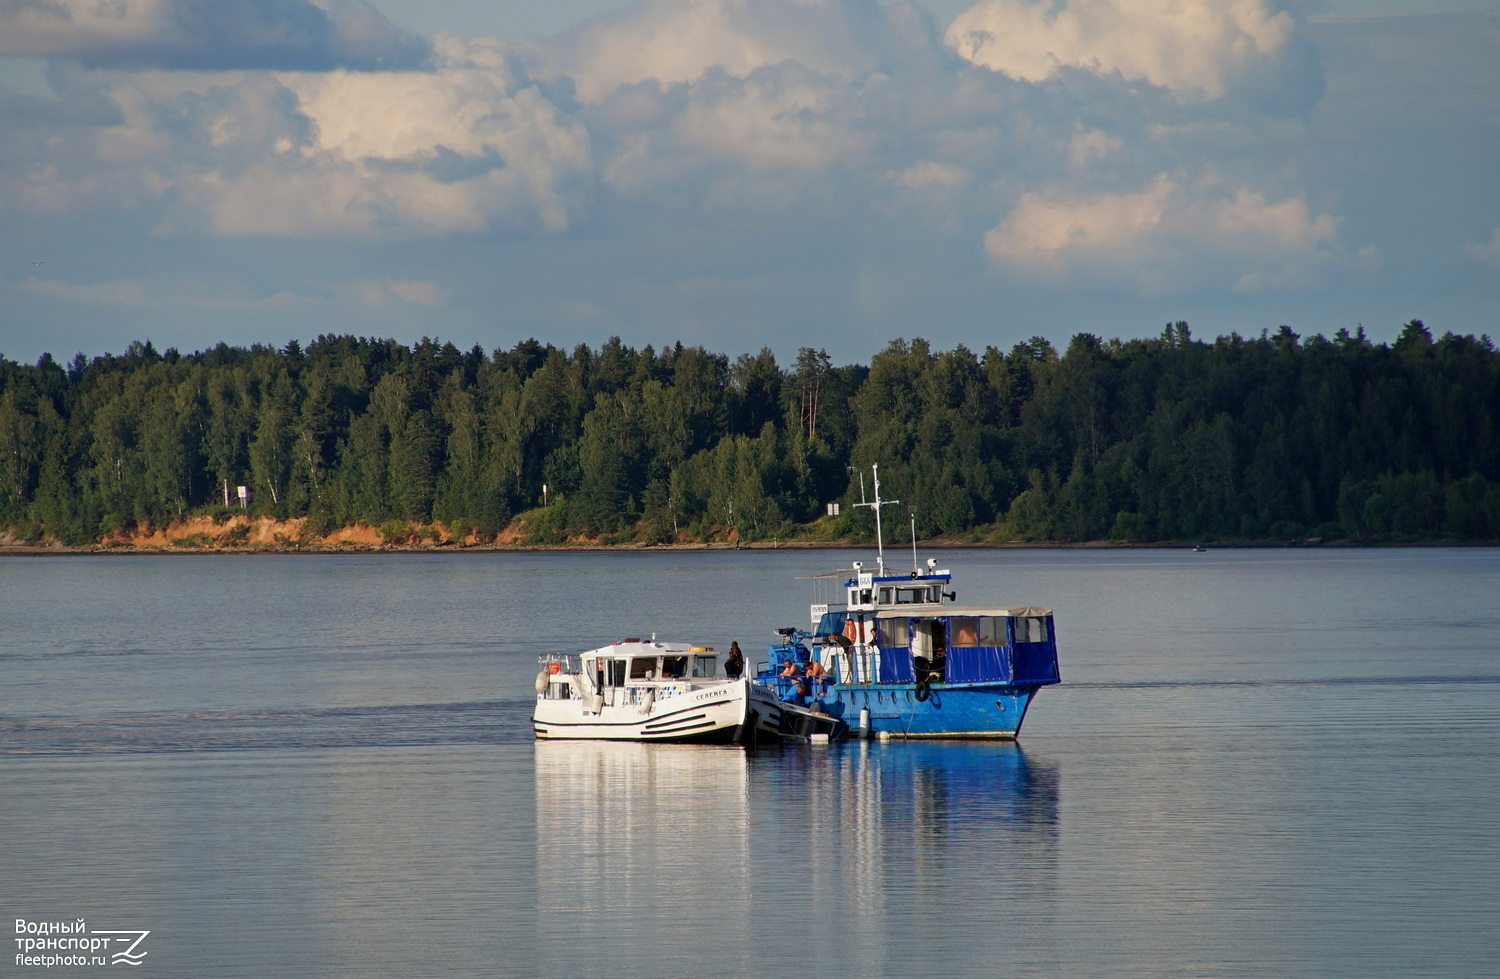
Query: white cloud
(676, 41)
(388, 291)
(192, 296)
(1091, 146)
(930, 175)
(1167, 236)
(775, 121)
(459, 149)
(122, 293)
(1197, 49)
(456, 150)
(404, 115)
(777, 114)
(63, 28)
(207, 34)
(1487, 252)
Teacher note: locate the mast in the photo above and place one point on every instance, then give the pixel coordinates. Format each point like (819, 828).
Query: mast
(876, 505)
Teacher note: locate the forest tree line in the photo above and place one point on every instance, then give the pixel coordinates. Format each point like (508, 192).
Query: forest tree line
(1169, 438)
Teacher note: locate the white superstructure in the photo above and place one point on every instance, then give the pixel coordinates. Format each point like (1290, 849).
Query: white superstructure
(645, 690)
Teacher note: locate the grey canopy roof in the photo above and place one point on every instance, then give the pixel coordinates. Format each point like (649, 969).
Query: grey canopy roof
(931, 610)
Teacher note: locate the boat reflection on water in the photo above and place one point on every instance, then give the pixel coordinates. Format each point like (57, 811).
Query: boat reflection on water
(919, 858)
(641, 849)
(699, 857)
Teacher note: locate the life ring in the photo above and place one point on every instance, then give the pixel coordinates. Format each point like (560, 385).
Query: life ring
(554, 667)
(856, 630)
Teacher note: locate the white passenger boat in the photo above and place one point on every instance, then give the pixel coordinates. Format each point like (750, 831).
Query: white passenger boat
(645, 690)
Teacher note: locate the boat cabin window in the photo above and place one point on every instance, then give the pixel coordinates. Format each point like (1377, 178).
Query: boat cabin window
(1031, 629)
(705, 666)
(616, 672)
(673, 667)
(643, 668)
(965, 632)
(908, 594)
(894, 632)
(992, 632)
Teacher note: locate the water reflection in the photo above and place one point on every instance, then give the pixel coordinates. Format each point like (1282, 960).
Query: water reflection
(643, 867)
(866, 859)
(914, 859)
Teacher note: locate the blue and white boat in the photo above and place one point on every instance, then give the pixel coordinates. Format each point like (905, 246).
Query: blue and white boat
(899, 658)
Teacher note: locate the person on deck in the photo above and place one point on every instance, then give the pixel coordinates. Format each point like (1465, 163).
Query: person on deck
(792, 670)
(734, 663)
(817, 678)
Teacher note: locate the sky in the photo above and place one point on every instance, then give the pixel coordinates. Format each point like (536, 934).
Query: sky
(743, 174)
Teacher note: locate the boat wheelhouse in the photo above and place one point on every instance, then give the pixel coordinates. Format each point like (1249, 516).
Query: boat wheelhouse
(645, 690)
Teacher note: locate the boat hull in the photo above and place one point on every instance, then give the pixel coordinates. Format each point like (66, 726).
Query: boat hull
(785, 721)
(726, 714)
(967, 712)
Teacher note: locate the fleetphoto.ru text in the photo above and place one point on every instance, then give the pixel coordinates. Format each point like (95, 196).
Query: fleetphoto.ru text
(65, 944)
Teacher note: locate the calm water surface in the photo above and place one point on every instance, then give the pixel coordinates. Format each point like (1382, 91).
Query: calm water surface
(1260, 763)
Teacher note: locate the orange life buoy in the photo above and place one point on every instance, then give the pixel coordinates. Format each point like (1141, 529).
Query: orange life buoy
(554, 667)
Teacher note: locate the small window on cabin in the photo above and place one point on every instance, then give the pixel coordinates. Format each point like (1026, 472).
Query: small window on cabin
(911, 596)
(965, 632)
(705, 666)
(935, 594)
(885, 596)
(643, 668)
(894, 632)
(673, 667)
(1034, 629)
(616, 673)
(992, 632)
